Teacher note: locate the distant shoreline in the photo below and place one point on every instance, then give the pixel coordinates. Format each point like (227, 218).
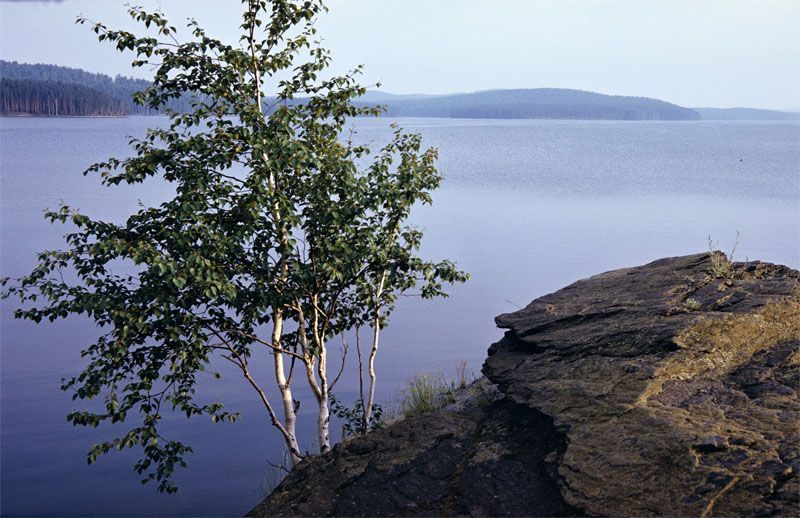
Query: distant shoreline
(40, 90)
(390, 116)
(40, 116)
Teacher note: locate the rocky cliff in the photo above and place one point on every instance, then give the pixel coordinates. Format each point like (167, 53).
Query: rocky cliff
(665, 389)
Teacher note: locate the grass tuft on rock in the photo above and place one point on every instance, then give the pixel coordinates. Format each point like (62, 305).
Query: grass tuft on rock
(425, 393)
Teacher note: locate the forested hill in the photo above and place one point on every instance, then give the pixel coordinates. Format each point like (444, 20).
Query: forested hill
(55, 98)
(50, 90)
(540, 103)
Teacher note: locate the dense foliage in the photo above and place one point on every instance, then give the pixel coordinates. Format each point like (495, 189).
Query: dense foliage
(281, 235)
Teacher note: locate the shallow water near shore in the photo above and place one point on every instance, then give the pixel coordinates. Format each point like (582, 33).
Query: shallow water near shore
(526, 206)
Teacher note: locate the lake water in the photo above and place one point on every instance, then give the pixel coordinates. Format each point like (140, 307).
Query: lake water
(527, 207)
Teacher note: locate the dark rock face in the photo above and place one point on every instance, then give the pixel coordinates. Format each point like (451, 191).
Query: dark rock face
(486, 459)
(618, 397)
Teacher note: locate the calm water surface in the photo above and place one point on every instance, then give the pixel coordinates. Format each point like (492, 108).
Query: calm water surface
(527, 207)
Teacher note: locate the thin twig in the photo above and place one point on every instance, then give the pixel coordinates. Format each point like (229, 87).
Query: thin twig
(341, 369)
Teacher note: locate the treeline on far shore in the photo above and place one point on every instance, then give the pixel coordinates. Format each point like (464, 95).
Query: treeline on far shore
(50, 90)
(55, 99)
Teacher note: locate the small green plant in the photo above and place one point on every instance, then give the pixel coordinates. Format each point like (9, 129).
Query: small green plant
(426, 393)
(691, 304)
(721, 264)
(353, 417)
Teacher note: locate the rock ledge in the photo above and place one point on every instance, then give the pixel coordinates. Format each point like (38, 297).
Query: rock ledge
(651, 390)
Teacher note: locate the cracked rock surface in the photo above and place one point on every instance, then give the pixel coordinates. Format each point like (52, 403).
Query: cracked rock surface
(656, 390)
(666, 410)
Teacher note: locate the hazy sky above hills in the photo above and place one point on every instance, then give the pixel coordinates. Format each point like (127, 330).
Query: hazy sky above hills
(717, 53)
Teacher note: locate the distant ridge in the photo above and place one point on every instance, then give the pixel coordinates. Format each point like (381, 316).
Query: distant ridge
(745, 114)
(378, 96)
(539, 103)
(51, 90)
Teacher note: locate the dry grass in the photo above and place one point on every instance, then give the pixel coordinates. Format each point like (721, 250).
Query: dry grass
(722, 264)
(462, 378)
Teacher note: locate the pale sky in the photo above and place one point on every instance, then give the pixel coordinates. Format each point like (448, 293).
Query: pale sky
(695, 53)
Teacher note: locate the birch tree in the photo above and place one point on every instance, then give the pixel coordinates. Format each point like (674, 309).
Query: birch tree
(281, 236)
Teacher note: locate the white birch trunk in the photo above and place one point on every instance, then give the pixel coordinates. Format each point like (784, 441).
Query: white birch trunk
(376, 334)
(323, 425)
(289, 412)
(372, 375)
(323, 418)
